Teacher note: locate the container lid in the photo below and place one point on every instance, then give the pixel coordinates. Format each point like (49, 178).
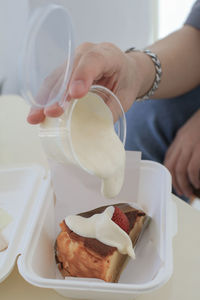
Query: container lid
(47, 56)
(22, 191)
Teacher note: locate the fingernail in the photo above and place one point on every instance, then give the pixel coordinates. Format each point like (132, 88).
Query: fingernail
(76, 87)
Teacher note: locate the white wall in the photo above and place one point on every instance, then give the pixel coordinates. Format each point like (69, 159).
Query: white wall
(124, 22)
(172, 15)
(13, 18)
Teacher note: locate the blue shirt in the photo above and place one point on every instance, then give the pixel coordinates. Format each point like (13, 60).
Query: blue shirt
(194, 17)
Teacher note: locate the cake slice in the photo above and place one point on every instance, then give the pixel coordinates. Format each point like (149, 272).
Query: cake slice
(80, 256)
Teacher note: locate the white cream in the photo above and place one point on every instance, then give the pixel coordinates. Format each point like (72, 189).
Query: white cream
(101, 227)
(96, 144)
(85, 136)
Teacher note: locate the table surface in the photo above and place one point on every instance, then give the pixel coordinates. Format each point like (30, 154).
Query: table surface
(185, 281)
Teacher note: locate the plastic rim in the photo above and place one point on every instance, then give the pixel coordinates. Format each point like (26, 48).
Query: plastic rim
(120, 124)
(47, 50)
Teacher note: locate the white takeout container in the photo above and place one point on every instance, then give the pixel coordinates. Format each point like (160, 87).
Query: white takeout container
(29, 199)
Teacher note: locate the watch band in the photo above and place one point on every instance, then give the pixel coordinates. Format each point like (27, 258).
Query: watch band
(158, 70)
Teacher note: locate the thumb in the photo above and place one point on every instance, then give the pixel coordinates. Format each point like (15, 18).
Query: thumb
(78, 88)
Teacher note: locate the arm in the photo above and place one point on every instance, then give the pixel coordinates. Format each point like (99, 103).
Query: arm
(131, 75)
(179, 54)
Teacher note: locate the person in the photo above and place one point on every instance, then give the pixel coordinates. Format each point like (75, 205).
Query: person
(168, 130)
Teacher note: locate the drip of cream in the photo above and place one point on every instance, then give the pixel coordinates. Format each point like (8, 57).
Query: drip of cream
(85, 136)
(96, 143)
(101, 227)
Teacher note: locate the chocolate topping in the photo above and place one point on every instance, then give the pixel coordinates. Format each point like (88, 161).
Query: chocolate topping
(95, 245)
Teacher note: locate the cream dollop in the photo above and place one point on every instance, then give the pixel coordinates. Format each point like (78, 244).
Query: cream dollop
(101, 227)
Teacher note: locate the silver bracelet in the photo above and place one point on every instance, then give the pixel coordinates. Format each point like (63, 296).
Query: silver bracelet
(158, 69)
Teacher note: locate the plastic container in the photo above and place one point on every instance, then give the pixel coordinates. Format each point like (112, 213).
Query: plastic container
(46, 59)
(35, 227)
(56, 134)
(45, 70)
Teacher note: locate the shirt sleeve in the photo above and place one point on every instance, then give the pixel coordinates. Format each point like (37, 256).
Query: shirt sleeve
(193, 18)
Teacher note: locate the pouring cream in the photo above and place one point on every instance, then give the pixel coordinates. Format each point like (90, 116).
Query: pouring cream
(85, 136)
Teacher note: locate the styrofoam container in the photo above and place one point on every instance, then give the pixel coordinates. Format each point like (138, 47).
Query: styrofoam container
(36, 227)
(23, 192)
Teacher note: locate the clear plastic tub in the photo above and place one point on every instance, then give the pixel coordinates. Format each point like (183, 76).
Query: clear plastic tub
(56, 133)
(44, 71)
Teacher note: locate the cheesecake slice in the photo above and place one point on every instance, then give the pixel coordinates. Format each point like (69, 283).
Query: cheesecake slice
(79, 256)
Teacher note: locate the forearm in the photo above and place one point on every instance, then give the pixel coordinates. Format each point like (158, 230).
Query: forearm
(179, 54)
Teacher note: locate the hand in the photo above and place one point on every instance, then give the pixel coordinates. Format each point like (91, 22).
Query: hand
(102, 64)
(183, 157)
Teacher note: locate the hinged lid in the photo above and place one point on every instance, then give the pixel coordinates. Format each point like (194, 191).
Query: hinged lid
(47, 56)
(21, 190)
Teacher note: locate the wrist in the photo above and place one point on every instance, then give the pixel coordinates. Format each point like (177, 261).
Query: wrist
(144, 71)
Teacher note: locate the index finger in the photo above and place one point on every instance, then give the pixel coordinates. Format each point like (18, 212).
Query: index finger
(97, 62)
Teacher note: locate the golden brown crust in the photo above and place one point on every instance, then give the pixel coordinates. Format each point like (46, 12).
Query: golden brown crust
(87, 257)
(91, 244)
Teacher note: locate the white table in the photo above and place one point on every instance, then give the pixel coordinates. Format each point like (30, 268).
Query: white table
(185, 281)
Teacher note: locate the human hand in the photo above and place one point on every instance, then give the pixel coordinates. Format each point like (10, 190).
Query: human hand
(183, 157)
(103, 64)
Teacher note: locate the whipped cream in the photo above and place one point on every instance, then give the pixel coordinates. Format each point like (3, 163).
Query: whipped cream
(101, 227)
(84, 135)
